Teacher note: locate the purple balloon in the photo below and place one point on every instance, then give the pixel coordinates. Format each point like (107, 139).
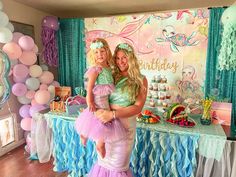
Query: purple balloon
(50, 22)
(24, 111)
(36, 108)
(19, 89)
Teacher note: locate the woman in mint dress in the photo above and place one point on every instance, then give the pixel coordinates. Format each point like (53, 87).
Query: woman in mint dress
(126, 102)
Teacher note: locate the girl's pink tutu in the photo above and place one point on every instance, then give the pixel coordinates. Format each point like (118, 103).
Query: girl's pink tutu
(89, 126)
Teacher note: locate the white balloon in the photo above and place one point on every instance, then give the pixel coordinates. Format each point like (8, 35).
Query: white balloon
(10, 27)
(32, 83)
(5, 35)
(44, 67)
(35, 71)
(3, 19)
(23, 100)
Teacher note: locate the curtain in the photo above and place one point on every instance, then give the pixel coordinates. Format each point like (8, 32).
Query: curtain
(71, 50)
(222, 83)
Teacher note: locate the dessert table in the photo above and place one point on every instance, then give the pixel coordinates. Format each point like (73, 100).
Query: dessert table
(160, 149)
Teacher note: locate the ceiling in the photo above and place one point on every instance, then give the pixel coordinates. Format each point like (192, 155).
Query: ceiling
(98, 8)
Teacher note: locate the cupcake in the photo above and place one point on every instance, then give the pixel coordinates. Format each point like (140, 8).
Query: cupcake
(158, 79)
(164, 80)
(155, 95)
(150, 87)
(149, 95)
(152, 103)
(155, 87)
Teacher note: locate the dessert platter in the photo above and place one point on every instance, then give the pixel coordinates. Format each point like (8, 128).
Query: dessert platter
(147, 116)
(176, 114)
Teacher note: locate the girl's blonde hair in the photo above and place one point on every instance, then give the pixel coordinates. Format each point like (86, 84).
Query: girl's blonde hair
(135, 79)
(91, 53)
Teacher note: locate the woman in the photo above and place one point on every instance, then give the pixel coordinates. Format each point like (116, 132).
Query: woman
(126, 102)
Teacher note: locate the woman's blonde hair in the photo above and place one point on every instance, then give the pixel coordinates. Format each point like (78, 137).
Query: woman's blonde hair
(99, 43)
(135, 79)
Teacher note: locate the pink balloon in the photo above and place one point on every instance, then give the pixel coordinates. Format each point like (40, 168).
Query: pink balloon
(36, 108)
(50, 22)
(20, 71)
(24, 111)
(26, 124)
(43, 87)
(42, 96)
(30, 94)
(19, 89)
(19, 80)
(55, 84)
(16, 37)
(28, 58)
(26, 43)
(46, 78)
(12, 50)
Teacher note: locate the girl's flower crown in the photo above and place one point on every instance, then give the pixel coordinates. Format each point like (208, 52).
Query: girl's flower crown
(96, 45)
(125, 46)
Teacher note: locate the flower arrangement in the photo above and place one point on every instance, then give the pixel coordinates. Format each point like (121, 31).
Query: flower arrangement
(206, 115)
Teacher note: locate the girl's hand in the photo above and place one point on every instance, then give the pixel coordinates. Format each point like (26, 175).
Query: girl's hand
(104, 115)
(91, 107)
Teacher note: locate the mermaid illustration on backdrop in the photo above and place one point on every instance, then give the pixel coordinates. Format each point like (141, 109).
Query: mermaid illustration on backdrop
(99, 86)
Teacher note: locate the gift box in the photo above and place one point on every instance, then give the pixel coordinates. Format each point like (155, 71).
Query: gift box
(61, 95)
(74, 105)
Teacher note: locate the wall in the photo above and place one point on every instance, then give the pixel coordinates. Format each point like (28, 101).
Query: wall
(23, 14)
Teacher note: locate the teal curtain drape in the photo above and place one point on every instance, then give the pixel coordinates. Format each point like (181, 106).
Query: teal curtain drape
(71, 50)
(222, 83)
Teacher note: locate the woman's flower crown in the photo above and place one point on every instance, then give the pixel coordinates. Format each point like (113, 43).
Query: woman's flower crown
(125, 46)
(96, 45)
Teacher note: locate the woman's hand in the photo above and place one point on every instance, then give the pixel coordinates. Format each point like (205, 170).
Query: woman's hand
(104, 115)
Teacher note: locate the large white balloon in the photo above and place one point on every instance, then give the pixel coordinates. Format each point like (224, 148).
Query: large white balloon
(35, 71)
(4, 20)
(32, 83)
(10, 27)
(23, 100)
(44, 67)
(5, 35)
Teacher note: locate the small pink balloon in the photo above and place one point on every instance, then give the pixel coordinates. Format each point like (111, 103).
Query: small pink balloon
(30, 94)
(42, 96)
(26, 43)
(20, 71)
(26, 124)
(43, 87)
(46, 78)
(28, 58)
(19, 89)
(55, 84)
(19, 80)
(24, 111)
(12, 50)
(16, 37)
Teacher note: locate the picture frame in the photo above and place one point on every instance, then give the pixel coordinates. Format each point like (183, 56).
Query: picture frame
(23, 28)
(8, 131)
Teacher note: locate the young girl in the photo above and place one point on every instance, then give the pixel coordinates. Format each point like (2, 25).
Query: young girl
(99, 86)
